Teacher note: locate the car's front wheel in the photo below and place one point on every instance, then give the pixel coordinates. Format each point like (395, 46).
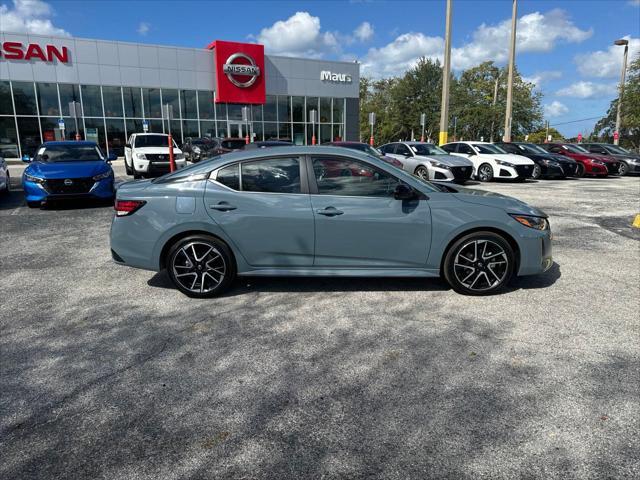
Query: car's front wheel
(7, 186)
(485, 172)
(581, 170)
(537, 172)
(623, 169)
(480, 263)
(422, 172)
(201, 266)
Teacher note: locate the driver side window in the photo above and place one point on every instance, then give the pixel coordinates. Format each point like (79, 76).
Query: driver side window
(402, 149)
(464, 148)
(342, 176)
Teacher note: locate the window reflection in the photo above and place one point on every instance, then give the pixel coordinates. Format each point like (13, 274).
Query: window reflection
(352, 178)
(278, 175)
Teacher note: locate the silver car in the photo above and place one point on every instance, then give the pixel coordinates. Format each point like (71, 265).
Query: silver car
(429, 162)
(5, 179)
(322, 211)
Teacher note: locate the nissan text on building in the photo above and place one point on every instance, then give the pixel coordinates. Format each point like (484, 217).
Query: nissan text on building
(115, 87)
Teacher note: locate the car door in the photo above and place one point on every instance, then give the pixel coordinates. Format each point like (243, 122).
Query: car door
(359, 223)
(264, 208)
(466, 151)
(406, 156)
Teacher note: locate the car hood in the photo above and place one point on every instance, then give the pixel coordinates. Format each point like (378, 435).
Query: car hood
(496, 200)
(67, 169)
(621, 156)
(512, 158)
(451, 160)
(161, 150)
(550, 156)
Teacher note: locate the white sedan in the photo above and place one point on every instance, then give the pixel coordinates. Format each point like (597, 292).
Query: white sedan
(490, 161)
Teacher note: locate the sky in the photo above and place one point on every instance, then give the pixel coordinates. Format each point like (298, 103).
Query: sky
(564, 47)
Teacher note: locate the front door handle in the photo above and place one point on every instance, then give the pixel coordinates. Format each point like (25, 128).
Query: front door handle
(223, 207)
(330, 212)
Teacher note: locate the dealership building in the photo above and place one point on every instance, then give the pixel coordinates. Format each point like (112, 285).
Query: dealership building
(59, 87)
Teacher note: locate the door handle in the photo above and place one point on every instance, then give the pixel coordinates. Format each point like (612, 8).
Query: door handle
(330, 212)
(223, 207)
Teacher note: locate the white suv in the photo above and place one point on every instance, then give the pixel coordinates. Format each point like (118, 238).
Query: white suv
(490, 161)
(147, 154)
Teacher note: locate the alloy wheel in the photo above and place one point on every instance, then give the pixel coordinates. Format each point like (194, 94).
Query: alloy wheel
(537, 171)
(622, 170)
(481, 265)
(485, 173)
(422, 173)
(199, 267)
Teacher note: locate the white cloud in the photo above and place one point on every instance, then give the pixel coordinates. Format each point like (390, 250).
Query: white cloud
(606, 63)
(538, 78)
(588, 90)
(401, 54)
(364, 32)
(143, 28)
(299, 35)
(634, 3)
(555, 109)
(29, 16)
(535, 32)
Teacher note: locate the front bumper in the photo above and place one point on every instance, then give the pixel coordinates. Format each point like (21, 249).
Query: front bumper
(633, 167)
(517, 171)
(152, 167)
(596, 169)
(452, 174)
(554, 171)
(36, 192)
(536, 255)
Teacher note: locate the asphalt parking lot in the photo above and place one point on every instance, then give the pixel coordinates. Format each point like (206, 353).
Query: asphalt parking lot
(108, 372)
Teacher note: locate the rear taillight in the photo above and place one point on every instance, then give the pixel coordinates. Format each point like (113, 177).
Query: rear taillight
(127, 207)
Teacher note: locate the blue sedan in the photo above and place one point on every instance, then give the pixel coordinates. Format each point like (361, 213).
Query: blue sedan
(322, 211)
(67, 170)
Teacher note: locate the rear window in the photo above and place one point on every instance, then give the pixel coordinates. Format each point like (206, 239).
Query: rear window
(233, 144)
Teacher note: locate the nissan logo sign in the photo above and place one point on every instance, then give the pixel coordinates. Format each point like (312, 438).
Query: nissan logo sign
(68, 182)
(233, 70)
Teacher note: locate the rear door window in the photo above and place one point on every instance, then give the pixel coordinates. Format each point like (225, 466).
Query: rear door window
(229, 176)
(273, 175)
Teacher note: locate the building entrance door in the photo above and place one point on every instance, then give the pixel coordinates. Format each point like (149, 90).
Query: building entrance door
(237, 130)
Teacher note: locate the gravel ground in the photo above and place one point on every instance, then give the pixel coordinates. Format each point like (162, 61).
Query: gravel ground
(109, 373)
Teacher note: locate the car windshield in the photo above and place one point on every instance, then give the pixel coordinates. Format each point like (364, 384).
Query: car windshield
(488, 148)
(68, 153)
(575, 149)
(531, 148)
(427, 149)
(616, 149)
(153, 141)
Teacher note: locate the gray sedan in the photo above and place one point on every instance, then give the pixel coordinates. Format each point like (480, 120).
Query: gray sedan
(322, 211)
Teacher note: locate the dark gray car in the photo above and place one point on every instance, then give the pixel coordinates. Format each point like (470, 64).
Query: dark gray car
(629, 161)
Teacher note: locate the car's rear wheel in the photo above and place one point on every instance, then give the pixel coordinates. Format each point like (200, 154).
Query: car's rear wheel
(201, 266)
(422, 172)
(480, 263)
(485, 172)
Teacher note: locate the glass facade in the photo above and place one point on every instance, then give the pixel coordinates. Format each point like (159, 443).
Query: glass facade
(29, 115)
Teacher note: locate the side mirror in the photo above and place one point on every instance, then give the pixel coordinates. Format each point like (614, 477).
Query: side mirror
(127, 145)
(26, 159)
(111, 157)
(403, 192)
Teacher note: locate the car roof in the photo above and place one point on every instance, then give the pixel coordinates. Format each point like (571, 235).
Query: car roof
(418, 143)
(64, 143)
(297, 150)
(150, 133)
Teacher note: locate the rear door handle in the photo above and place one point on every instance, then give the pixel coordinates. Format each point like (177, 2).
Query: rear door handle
(223, 207)
(330, 212)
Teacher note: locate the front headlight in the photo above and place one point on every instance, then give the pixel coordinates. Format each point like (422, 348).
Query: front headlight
(141, 156)
(31, 178)
(439, 165)
(101, 176)
(180, 156)
(550, 163)
(503, 163)
(537, 223)
(597, 162)
(632, 160)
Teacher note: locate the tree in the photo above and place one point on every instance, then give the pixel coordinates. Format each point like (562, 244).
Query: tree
(629, 115)
(540, 136)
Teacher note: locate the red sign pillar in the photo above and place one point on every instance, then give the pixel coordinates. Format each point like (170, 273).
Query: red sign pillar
(172, 162)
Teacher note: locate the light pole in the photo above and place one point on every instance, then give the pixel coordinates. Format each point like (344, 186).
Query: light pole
(512, 60)
(620, 42)
(446, 73)
(495, 100)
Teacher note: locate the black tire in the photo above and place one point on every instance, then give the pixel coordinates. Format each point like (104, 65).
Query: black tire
(485, 173)
(537, 172)
(127, 168)
(580, 171)
(34, 204)
(492, 276)
(183, 261)
(136, 175)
